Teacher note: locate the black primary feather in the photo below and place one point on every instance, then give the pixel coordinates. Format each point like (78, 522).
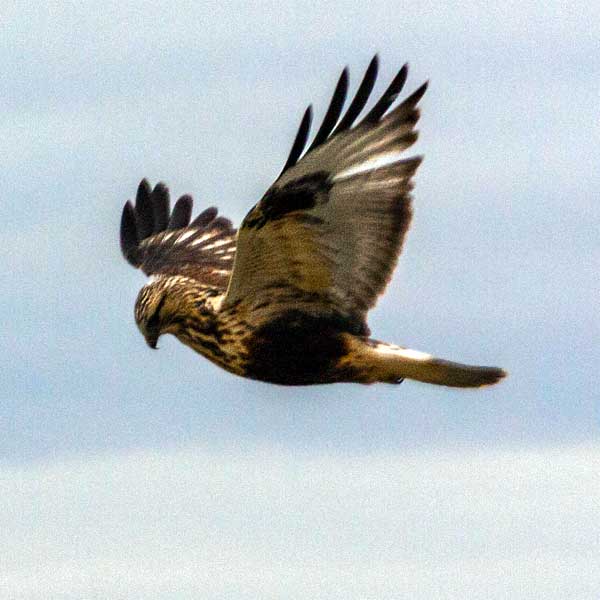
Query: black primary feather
(221, 223)
(388, 97)
(205, 217)
(129, 234)
(361, 97)
(144, 213)
(333, 111)
(328, 128)
(182, 213)
(414, 98)
(299, 141)
(160, 206)
(159, 241)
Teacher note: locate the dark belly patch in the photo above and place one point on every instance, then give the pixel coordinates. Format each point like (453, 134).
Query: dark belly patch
(299, 349)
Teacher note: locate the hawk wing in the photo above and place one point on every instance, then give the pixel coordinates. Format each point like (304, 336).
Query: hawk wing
(160, 241)
(331, 227)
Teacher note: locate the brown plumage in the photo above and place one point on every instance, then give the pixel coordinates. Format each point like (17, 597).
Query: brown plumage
(285, 298)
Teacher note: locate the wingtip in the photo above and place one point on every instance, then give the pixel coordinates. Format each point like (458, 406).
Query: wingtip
(205, 217)
(161, 188)
(300, 140)
(160, 199)
(417, 160)
(403, 72)
(373, 67)
(416, 96)
(128, 210)
(423, 87)
(389, 96)
(186, 199)
(144, 189)
(128, 238)
(182, 212)
(341, 89)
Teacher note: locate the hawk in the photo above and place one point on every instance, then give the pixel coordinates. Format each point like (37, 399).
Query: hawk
(284, 299)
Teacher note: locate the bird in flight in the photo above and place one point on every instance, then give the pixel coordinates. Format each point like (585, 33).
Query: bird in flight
(284, 299)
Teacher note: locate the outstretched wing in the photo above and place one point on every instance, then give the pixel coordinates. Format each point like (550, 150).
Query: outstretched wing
(160, 241)
(331, 227)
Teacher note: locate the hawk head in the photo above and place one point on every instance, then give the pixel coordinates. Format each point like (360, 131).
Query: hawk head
(151, 312)
(178, 305)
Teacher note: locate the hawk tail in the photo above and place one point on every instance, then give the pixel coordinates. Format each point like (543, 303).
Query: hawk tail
(379, 361)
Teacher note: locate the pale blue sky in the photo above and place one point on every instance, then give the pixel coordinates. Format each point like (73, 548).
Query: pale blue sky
(500, 266)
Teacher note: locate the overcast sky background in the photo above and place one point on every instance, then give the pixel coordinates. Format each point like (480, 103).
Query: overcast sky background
(131, 473)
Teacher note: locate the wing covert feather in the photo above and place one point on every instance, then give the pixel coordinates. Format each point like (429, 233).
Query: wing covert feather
(331, 227)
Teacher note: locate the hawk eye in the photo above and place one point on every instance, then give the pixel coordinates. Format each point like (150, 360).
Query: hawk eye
(154, 320)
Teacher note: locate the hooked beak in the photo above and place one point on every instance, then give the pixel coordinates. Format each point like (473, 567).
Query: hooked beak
(151, 340)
